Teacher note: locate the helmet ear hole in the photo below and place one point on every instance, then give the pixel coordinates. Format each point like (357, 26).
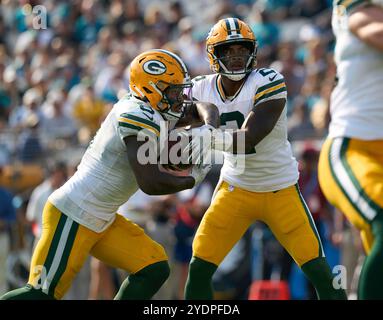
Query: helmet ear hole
(147, 90)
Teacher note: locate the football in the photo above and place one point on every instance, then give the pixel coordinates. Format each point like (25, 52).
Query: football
(172, 154)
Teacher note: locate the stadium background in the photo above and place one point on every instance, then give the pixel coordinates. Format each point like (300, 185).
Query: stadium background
(58, 83)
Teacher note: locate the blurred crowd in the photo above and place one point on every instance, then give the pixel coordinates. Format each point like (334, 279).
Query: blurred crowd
(63, 64)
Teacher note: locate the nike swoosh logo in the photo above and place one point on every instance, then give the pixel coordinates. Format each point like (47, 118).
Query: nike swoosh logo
(272, 78)
(149, 117)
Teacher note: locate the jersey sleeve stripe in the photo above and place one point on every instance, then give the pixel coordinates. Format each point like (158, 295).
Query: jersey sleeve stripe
(272, 89)
(136, 125)
(269, 85)
(130, 126)
(141, 120)
(351, 4)
(270, 94)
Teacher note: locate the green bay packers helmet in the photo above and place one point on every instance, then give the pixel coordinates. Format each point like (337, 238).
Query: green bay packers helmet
(161, 78)
(230, 31)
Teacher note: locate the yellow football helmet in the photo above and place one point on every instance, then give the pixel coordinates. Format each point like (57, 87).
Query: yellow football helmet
(230, 31)
(161, 78)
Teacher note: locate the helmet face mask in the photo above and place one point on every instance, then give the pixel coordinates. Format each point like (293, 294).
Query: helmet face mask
(177, 97)
(160, 78)
(229, 32)
(237, 63)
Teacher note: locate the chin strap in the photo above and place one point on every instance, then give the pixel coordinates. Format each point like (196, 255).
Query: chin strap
(235, 75)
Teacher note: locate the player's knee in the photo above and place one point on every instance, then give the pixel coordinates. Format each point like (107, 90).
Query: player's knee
(199, 268)
(156, 273)
(162, 271)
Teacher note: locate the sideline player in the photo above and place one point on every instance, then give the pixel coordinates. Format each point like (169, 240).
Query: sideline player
(351, 160)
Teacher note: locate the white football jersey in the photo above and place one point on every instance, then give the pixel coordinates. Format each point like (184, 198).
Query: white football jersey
(104, 179)
(357, 100)
(272, 165)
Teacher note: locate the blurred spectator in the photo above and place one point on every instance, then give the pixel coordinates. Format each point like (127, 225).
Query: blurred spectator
(21, 116)
(293, 72)
(88, 111)
(315, 199)
(101, 286)
(299, 125)
(56, 177)
(88, 24)
(308, 8)
(31, 148)
(56, 124)
(160, 229)
(7, 218)
(277, 262)
(189, 214)
(352, 256)
(266, 31)
(232, 279)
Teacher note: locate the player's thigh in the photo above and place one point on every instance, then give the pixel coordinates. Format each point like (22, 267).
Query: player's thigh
(291, 222)
(60, 253)
(351, 176)
(125, 245)
(223, 224)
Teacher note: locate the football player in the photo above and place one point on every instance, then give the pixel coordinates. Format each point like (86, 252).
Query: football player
(351, 160)
(80, 217)
(253, 101)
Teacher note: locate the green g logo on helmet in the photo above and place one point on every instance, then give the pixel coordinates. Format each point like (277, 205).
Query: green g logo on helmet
(154, 67)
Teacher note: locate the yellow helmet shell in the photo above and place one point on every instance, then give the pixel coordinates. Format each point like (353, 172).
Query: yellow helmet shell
(229, 30)
(152, 72)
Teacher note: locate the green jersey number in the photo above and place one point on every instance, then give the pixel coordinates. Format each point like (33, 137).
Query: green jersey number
(233, 120)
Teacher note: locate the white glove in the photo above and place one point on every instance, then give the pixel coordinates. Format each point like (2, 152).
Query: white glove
(199, 172)
(204, 139)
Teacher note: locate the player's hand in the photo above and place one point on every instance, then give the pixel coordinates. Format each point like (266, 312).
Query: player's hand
(206, 138)
(199, 172)
(200, 144)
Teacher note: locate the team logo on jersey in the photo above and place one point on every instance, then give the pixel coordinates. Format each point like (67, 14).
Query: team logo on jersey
(154, 67)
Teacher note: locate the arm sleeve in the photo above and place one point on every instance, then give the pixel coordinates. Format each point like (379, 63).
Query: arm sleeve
(196, 90)
(134, 123)
(272, 86)
(350, 5)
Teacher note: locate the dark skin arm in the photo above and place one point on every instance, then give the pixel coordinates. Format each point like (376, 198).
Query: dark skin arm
(200, 113)
(258, 124)
(150, 179)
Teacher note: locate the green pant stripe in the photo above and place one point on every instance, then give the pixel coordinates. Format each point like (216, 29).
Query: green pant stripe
(346, 165)
(340, 185)
(341, 174)
(55, 242)
(312, 225)
(65, 257)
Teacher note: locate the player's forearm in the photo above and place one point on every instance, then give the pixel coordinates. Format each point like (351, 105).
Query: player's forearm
(208, 113)
(239, 141)
(244, 140)
(165, 183)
